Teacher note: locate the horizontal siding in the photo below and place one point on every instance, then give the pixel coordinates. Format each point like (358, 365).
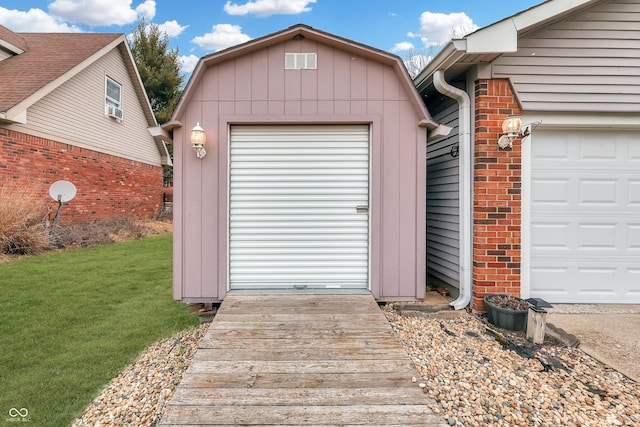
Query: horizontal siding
(443, 200)
(74, 114)
(293, 197)
(589, 62)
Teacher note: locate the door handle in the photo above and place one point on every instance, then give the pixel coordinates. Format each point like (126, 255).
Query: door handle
(362, 209)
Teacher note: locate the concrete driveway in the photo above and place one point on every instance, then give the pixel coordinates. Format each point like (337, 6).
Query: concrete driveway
(608, 332)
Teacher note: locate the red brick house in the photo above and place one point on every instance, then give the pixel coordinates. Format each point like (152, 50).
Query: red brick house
(73, 107)
(552, 211)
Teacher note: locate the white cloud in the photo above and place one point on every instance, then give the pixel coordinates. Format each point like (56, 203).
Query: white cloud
(402, 47)
(188, 63)
(264, 8)
(102, 12)
(146, 9)
(172, 28)
(221, 37)
(34, 20)
(437, 29)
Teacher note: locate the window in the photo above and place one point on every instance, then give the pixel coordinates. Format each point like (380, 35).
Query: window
(300, 61)
(113, 98)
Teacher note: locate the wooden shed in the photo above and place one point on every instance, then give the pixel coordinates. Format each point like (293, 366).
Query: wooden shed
(314, 175)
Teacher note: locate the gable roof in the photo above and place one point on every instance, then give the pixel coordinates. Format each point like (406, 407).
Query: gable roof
(488, 43)
(301, 30)
(44, 61)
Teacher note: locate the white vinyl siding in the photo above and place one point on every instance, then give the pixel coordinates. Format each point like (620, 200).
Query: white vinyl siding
(293, 217)
(588, 62)
(585, 216)
(74, 113)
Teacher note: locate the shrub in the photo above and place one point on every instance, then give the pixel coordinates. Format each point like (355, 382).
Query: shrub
(100, 232)
(22, 223)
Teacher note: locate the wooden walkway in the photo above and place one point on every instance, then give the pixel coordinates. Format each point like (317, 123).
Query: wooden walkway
(300, 359)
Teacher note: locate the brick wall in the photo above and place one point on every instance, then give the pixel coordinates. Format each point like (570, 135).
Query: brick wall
(497, 196)
(108, 186)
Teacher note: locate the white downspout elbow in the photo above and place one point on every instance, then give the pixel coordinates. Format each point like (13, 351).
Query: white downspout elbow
(465, 157)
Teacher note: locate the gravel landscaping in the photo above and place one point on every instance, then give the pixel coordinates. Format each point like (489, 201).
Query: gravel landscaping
(474, 379)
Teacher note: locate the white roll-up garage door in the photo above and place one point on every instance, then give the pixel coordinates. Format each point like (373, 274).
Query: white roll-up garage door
(585, 216)
(298, 208)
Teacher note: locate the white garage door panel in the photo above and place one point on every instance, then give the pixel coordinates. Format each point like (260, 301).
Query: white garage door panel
(585, 216)
(294, 191)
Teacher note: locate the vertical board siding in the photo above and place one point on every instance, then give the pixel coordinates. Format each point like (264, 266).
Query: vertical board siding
(344, 89)
(443, 201)
(81, 101)
(588, 62)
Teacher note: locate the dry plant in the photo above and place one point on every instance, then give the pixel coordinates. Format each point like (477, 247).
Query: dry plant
(22, 227)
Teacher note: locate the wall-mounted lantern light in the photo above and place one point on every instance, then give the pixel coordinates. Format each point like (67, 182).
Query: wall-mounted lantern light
(198, 138)
(511, 130)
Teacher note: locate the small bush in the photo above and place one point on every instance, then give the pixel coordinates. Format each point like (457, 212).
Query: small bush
(22, 227)
(100, 232)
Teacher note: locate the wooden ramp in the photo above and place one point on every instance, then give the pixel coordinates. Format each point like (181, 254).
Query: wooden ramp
(300, 359)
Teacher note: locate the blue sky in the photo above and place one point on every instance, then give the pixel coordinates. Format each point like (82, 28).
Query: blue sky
(200, 27)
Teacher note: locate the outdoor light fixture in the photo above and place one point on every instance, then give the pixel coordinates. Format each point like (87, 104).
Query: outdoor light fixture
(198, 139)
(512, 130)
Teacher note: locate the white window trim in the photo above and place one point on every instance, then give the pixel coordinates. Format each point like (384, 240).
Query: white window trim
(112, 102)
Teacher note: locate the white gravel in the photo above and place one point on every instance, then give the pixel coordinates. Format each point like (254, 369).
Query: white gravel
(473, 379)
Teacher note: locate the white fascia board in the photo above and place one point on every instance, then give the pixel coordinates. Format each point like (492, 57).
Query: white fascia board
(11, 48)
(447, 56)
(502, 37)
(546, 11)
(498, 38)
(550, 120)
(15, 115)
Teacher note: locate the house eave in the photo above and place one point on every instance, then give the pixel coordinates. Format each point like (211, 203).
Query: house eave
(496, 39)
(162, 138)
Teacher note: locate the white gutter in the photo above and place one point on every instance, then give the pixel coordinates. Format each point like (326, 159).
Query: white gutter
(465, 156)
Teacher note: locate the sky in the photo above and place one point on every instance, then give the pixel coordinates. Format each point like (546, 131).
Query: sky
(200, 27)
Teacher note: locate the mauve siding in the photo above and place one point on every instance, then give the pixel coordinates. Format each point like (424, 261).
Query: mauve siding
(74, 114)
(256, 89)
(443, 200)
(589, 62)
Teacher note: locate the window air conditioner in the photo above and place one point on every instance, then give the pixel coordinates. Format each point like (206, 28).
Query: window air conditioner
(114, 112)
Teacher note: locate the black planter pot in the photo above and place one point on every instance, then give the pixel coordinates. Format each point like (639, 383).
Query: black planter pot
(513, 320)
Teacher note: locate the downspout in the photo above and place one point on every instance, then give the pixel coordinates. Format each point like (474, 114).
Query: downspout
(465, 153)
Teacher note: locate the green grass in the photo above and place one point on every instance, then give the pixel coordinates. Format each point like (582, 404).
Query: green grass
(71, 321)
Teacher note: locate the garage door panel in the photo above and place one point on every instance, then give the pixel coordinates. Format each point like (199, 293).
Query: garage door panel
(585, 228)
(599, 191)
(634, 193)
(550, 192)
(593, 281)
(550, 236)
(293, 208)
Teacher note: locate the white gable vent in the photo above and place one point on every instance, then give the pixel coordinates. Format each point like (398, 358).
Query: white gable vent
(300, 61)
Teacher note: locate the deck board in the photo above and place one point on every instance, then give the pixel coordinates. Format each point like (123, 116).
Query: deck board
(285, 359)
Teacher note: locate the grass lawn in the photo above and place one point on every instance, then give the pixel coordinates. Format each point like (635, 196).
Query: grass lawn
(71, 321)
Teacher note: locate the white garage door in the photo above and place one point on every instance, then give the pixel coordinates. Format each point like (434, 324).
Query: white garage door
(299, 207)
(585, 216)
